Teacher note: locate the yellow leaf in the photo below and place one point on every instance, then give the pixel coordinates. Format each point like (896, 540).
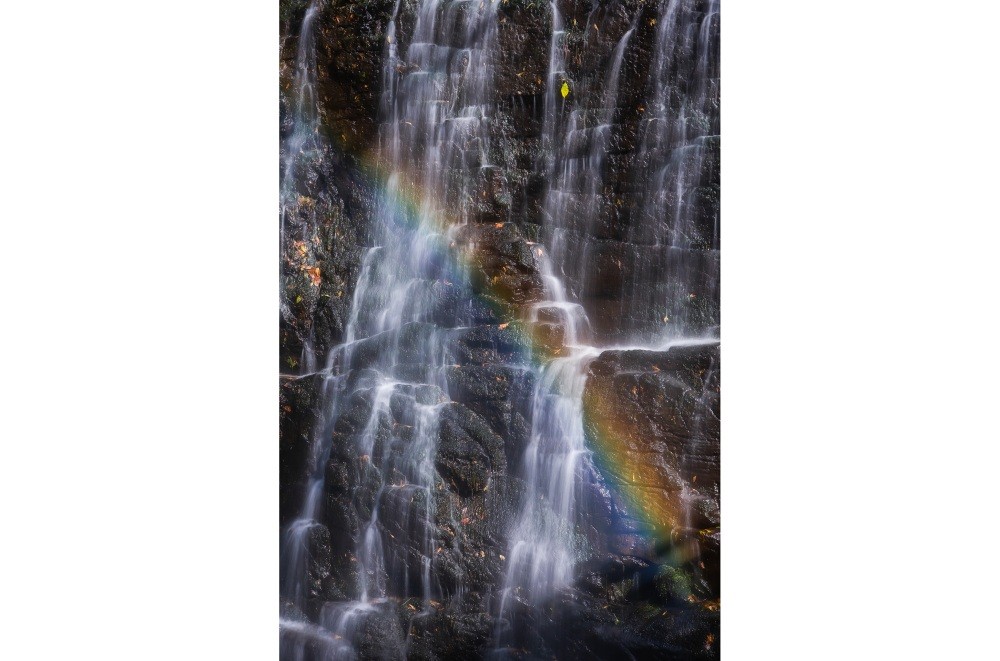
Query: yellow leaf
(565, 89)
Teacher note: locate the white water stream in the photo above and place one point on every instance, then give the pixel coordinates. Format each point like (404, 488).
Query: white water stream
(437, 104)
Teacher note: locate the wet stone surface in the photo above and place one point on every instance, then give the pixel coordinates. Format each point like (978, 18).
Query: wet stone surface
(426, 456)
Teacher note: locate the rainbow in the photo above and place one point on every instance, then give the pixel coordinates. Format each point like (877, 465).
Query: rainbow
(656, 506)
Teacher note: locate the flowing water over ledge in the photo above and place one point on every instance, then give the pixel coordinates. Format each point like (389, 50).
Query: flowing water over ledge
(512, 451)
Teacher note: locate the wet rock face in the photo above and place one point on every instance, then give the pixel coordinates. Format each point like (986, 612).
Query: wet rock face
(298, 401)
(652, 411)
(654, 416)
(473, 502)
(632, 283)
(469, 453)
(326, 216)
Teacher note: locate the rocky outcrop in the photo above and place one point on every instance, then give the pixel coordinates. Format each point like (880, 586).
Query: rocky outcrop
(653, 419)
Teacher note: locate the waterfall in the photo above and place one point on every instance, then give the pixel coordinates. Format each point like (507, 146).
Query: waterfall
(547, 541)
(545, 544)
(575, 199)
(303, 139)
(385, 385)
(679, 126)
(380, 520)
(302, 148)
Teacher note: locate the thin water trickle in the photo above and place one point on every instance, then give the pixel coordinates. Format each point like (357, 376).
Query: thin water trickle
(674, 145)
(302, 148)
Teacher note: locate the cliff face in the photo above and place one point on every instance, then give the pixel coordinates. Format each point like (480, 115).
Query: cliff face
(627, 241)
(646, 585)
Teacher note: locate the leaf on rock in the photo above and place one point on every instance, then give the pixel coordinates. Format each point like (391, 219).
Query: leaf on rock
(314, 275)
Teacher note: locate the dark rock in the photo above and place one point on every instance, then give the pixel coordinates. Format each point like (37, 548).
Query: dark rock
(469, 452)
(654, 415)
(299, 401)
(380, 634)
(499, 394)
(452, 633)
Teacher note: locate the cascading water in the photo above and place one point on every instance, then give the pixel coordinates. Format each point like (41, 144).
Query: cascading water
(546, 542)
(667, 257)
(302, 142)
(301, 149)
(369, 564)
(576, 197)
(385, 386)
(678, 216)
